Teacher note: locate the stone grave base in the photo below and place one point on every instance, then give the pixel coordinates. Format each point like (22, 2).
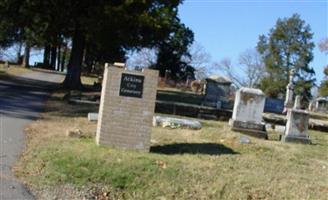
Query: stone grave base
(249, 128)
(295, 139)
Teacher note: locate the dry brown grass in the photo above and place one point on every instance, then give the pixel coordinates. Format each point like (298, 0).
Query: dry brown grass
(14, 70)
(89, 80)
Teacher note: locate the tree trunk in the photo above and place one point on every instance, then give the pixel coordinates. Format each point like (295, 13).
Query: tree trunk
(53, 57)
(58, 57)
(46, 56)
(88, 60)
(20, 44)
(26, 58)
(63, 59)
(73, 77)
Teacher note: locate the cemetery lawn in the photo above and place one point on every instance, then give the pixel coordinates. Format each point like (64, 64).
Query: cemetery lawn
(210, 163)
(13, 70)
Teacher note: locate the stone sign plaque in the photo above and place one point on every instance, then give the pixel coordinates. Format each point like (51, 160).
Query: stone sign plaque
(131, 85)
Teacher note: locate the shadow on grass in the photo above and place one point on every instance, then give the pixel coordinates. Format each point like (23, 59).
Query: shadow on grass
(192, 148)
(23, 97)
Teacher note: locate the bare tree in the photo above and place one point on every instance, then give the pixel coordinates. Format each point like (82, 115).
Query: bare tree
(253, 67)
(8, 54)
(323, 45)
(249, 71)
(143, 58)
(11, 53)
(226, 67)
(323, 89)
(200, 59)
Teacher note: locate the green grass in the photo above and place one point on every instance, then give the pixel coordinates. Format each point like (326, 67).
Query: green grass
(255, 171)
(210, 163)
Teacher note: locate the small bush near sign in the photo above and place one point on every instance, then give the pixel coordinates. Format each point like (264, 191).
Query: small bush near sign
(131, 85)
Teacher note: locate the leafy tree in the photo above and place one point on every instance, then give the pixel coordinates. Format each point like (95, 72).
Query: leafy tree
(100, 30)
(171, 51)
(14, 21)
(6, 25)
(110, 27)
(287, 46)
(9, 30)
(7, 38)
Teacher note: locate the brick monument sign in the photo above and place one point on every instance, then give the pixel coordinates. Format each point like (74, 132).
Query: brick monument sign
(126, 108)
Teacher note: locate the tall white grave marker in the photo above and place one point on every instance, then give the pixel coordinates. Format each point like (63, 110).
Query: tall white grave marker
(297, 119)
(247, 112)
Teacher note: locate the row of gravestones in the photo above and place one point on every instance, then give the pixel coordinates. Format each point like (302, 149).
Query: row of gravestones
(128, 101)
(247, 117)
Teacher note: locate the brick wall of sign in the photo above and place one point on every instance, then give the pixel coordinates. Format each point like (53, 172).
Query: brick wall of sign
(126, 108)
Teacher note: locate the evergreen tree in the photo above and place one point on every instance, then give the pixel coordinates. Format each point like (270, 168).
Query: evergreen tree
(9, 30)
(287, 46)
(100, 30)
(171, 51)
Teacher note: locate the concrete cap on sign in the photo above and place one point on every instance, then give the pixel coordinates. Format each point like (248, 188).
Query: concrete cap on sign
(119, 64)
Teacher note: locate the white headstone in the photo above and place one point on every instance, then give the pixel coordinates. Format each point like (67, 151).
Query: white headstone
(249, 105)
(247, 112)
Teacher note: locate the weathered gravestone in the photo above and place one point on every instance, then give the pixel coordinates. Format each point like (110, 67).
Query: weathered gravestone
(126, 108)
(297, 119)
(247, 112)
(217, 92)
(273, 105)
(297, 127)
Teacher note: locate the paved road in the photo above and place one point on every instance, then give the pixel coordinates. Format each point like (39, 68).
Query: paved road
(21, 101)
